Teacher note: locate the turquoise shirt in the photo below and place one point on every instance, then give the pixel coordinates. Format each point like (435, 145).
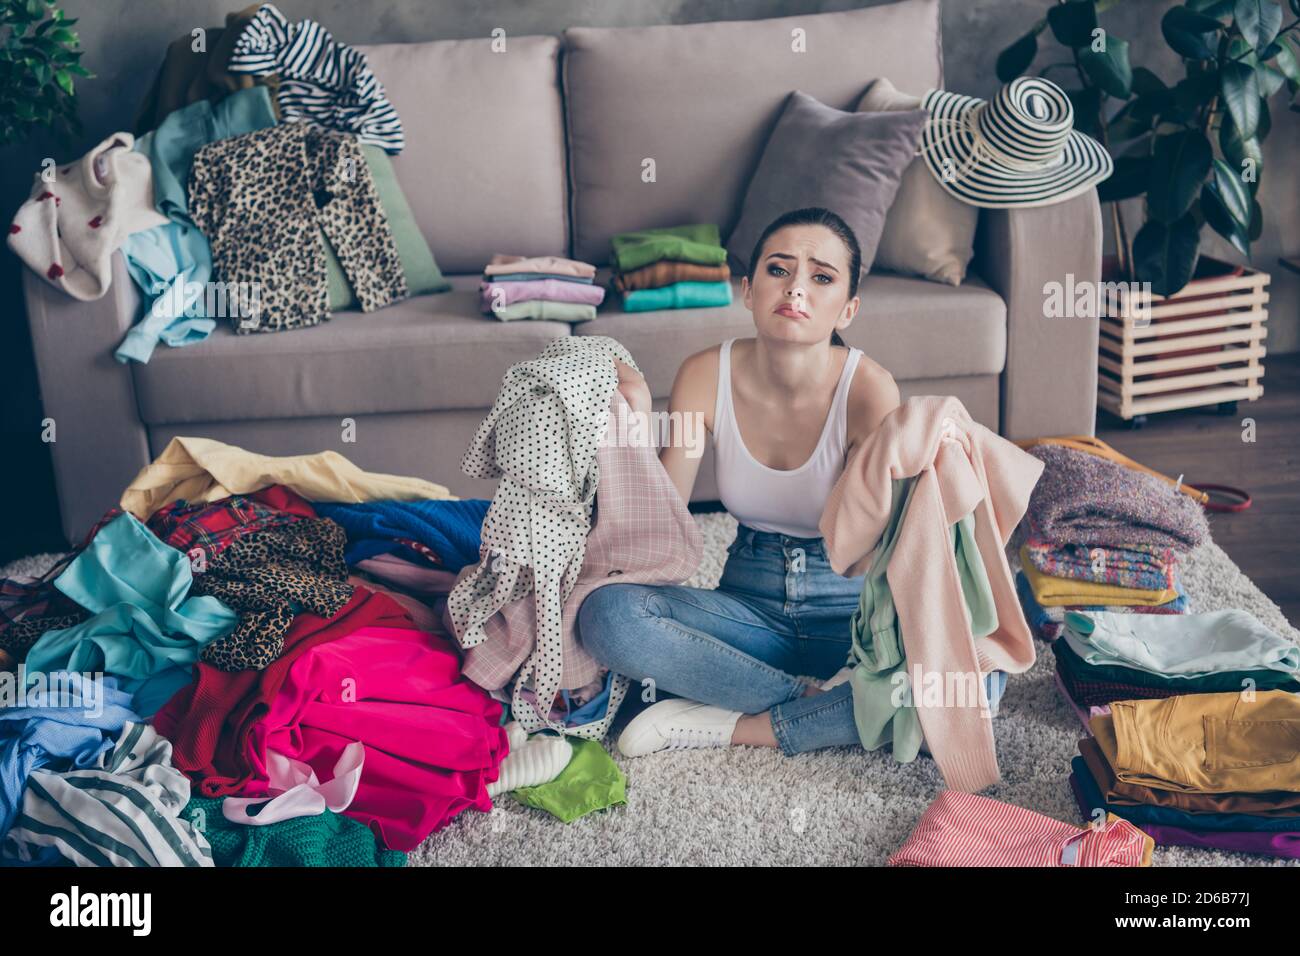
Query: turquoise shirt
(145, 629)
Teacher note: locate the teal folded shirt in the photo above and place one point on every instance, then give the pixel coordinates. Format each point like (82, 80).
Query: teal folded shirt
(698, 243)
(146, 628)
(679, 295)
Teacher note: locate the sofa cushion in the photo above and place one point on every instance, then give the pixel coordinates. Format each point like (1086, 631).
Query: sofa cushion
(914, 328)
(700, 100)
(817, 156)
(928, 233)
(427, 353)
(483, 168)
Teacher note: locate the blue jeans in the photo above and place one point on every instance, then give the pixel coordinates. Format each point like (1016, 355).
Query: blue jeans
(779, 611)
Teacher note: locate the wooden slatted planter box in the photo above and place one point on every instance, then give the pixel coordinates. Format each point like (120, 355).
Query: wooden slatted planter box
(1204, 345)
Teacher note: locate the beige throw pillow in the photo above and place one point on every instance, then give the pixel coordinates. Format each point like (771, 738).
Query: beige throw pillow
(927, 232)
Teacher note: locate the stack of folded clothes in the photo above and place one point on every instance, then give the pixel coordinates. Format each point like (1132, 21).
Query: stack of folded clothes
(678, 267)
(1103, 656)
(540, 287)
(1102, 537)
(1220, 771)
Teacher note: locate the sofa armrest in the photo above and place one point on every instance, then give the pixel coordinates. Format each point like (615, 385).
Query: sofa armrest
(1049, 385)
(99, 443)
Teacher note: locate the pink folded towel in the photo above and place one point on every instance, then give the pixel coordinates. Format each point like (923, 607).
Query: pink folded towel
(503, 264)
(502, 294)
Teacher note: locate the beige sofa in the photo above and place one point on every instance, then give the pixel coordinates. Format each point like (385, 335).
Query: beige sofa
(538, 149)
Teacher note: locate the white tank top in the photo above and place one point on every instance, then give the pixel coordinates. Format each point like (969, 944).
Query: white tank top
(784, 501)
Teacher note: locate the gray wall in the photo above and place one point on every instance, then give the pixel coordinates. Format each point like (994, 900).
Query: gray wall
(125, 40)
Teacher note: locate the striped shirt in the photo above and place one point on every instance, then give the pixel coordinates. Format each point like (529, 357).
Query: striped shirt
(321, 81)
(965, 829)
(125, 811)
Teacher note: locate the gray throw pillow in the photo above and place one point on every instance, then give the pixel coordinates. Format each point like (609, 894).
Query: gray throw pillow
(850, 163)
(928, 233)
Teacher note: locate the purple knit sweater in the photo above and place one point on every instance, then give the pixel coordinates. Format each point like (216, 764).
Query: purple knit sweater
(1084, 499)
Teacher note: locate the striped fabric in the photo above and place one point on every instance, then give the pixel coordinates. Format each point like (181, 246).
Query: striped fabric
(321, 81)
(964, 829)
(1018, 149)
(125, 811)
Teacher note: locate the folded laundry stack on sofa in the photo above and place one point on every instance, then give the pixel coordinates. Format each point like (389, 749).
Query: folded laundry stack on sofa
(677, 267)
(540, 287)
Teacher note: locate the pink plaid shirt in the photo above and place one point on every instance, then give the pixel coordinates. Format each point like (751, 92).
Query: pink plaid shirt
(642, 534)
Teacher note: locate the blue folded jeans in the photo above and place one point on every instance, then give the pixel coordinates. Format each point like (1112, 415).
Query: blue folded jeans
(779, 611)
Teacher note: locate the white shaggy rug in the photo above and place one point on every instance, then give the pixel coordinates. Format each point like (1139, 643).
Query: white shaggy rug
(753, 806)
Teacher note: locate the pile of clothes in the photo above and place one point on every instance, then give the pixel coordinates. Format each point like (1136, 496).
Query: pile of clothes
(539, 287)
(245, 663)
(1101, 535)
(217, 206)
(1213, 770)
(677, 267)
(1191, 718)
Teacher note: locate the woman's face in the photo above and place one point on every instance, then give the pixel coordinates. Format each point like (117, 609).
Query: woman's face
(801, 286)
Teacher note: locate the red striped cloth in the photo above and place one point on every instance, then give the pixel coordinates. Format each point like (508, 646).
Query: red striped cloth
(965, 829)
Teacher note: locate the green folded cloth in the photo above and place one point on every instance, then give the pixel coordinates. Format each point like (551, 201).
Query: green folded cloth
(328, 839)
(590, 782)
(679, 295)
(418, 265)
(546, 309)
(698, 243)
(1222, 682)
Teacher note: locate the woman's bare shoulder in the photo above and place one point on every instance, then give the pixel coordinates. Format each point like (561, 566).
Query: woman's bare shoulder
(873, 394)
(696, 386)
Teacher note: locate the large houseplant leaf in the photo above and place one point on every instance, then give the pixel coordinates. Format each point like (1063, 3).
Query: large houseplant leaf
(1179, 164)
(1016, 58)
(1165, 254)
(1222, 221)
(1072, 22)
(1240, 87)
(1258, 21)
(1190, 34)
(1109, 69)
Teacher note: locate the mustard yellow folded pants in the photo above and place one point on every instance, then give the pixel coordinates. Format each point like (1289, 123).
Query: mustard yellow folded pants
(1209, 743)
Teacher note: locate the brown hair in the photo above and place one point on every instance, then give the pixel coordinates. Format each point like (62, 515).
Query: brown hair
(815, 216)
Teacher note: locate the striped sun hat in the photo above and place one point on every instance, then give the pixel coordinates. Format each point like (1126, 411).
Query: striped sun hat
(1018, 149)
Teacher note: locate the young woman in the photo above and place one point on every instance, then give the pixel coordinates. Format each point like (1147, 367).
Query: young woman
(785, 409)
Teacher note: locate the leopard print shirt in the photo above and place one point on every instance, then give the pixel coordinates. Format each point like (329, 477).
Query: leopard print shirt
(268, 577)
(264, 197)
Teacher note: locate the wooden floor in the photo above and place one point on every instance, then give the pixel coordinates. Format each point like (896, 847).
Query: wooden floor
(1202, 446)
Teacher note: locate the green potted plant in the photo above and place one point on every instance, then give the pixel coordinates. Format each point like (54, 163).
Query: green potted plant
(38, 59)
(1193, 149)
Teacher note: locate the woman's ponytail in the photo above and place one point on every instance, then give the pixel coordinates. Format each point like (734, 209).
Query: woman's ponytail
(835, 339)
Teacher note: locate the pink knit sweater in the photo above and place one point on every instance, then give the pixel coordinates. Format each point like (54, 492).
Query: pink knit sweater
(960, 466)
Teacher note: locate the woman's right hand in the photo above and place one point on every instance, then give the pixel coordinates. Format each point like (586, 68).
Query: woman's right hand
(633, 386)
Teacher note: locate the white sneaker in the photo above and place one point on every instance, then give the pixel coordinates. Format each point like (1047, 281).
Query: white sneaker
(677, 725)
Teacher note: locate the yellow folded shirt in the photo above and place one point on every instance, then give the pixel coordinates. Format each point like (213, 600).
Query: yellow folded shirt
(1051, 591)
(202, 470)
